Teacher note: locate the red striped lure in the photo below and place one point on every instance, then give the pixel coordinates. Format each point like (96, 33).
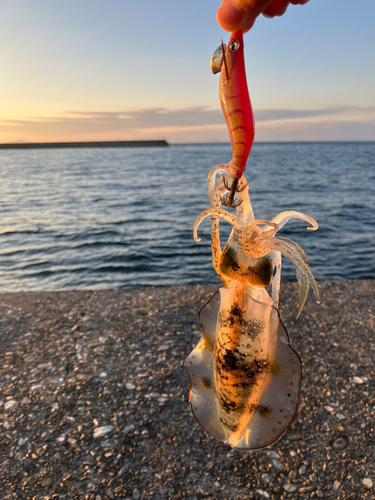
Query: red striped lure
(235, 104)
(244, 375)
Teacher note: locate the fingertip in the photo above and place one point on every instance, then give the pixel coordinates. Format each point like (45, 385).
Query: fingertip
(276, 8)
(229, 16)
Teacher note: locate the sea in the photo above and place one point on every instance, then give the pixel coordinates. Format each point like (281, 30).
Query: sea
(123, 217)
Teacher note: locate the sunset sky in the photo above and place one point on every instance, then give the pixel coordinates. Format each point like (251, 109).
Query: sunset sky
(82, 70)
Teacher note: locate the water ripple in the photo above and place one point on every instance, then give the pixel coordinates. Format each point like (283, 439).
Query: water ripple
(120, 217)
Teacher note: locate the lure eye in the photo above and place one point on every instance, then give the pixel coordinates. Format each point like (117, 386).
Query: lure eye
(234, 45)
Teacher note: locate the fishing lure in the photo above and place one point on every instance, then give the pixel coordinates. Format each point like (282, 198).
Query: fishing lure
(236, 106)
(244, 375)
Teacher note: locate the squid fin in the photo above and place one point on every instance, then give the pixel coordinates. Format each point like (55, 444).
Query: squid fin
(199, 366)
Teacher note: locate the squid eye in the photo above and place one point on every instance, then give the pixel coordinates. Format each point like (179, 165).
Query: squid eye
(234, 45)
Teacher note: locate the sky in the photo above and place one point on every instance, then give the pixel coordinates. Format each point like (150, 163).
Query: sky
(87, 70)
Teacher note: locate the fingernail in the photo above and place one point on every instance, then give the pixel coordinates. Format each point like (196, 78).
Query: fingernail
(229, 16)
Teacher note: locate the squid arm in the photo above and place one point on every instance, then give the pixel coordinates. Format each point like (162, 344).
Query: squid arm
(288, 249)
(215, 200)
(282, 218)
(301, 278)
(218, 212)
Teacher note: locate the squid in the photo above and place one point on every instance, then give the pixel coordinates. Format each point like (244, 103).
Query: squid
(244, 375)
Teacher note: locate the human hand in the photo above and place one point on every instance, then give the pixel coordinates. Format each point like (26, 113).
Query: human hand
(234, 15)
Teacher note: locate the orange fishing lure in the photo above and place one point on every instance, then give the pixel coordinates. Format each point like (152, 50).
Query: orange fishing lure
(235, 104)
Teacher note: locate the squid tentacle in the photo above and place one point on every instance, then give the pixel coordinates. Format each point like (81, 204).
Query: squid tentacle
(280, 245)
(218, 212)
(211, 178)
(301, 278)
(283, 217)
(215, 200)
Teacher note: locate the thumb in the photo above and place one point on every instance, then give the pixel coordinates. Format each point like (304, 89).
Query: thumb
(234, 15)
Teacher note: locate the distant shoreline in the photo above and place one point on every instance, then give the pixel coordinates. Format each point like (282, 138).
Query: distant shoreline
(88, 144)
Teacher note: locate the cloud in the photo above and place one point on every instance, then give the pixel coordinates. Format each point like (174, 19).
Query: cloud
(288, 114)
(194, 124)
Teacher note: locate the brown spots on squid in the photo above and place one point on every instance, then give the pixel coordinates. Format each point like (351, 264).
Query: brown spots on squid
(276, 369)
(206, 383)
(260, 274)
(208, 342)
(264, 411)
(231, 360)
(228, 361)
(228, 405)
(253, 327)
(228, 318)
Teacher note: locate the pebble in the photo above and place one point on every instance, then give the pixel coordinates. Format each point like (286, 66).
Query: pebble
(10, 404)
(209, 465)
(163, 348)
(341, 416)
(130, 386)
(367, 482)
(357, 380)
(36, 387)
(263, 493)
(128, 428)
(336, 485)
(46, 482)
(305, 489)
(135, 494)
(6, 425)
(103, 375)
(102, 431)
(277, 464)
(290, 488)
(340, 444)
(329, 408)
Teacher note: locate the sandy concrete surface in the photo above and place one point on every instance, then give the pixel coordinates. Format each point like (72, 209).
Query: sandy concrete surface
(94, 403)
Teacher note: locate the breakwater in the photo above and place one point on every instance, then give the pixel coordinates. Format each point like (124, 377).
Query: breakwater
(96, 144)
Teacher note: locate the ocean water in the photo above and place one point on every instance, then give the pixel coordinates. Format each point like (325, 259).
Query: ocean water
(106, 218)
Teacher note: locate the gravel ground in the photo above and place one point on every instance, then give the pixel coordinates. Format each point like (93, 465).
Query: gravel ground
(94, 403)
